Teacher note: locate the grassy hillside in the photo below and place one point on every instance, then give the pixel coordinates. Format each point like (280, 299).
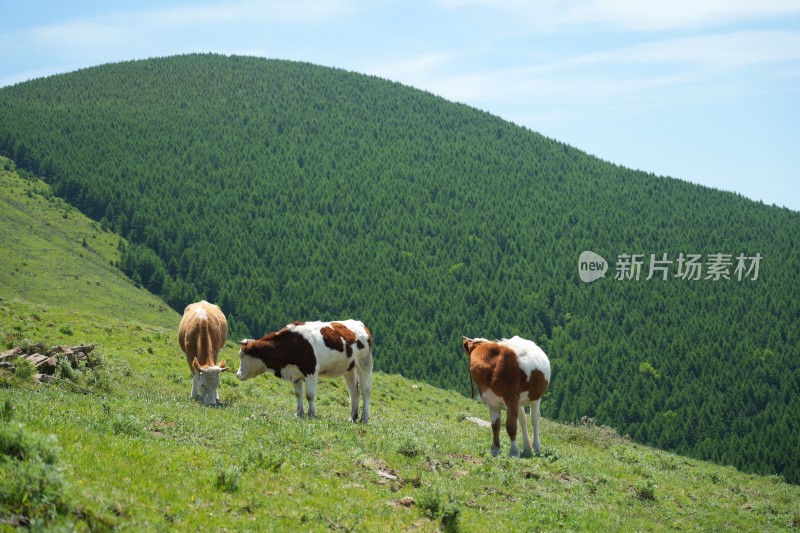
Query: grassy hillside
(130, 451)
(286, 191)
(52, 253)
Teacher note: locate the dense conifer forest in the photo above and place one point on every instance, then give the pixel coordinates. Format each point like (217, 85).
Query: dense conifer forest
(286, 191)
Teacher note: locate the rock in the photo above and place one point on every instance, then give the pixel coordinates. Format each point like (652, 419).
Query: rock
(37, 359)
(13, 353)
(479, 421)
(406, 501)
(61, 349)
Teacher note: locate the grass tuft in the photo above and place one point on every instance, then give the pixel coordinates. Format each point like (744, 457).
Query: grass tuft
(442, 507)
(228, 478)
(32, 488)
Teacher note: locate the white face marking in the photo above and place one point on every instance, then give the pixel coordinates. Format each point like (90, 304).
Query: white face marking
(207, 385)
(249, 367)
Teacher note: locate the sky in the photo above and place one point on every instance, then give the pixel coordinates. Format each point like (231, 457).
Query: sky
(707, 91)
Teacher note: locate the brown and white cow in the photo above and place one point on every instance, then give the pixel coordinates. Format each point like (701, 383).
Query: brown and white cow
(202, 332)
(304, 351)
(512, 372)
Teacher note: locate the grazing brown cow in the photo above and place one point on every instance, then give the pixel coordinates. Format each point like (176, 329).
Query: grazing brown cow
(202, 332)
(512, 372)
(303, 352)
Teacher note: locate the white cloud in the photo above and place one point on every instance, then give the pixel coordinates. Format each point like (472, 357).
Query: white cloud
(159, 25)
(729, 50)
(669, 65)
(632, 15)
(636, 15)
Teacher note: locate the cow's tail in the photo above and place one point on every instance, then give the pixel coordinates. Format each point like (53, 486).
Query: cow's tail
(204, 343)
(367, 367)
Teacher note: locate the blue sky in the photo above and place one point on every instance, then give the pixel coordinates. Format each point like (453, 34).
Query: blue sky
(707, 91)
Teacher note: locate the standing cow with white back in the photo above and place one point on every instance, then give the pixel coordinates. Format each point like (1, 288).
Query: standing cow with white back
(513, 373)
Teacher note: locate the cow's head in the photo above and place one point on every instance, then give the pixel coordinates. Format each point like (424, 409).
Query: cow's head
(206, 381)
(249, 365)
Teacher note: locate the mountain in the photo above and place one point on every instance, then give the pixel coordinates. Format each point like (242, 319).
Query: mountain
(287, 191)
(118, 444)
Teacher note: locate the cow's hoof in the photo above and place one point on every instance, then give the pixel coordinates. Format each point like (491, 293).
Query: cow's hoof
(495, 451)
(527, 452)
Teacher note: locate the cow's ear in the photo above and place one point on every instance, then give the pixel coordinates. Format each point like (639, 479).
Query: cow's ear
(196, 365)
(222, 366)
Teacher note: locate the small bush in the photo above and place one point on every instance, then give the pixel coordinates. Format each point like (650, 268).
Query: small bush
(64, 370)
(444, 508)
(100, 380)
(410, 446)
(23, 369)
(228, 478)
(32, 489)
(646, 491)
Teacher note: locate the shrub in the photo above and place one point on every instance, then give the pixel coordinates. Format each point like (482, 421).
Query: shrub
(444, 508)
(228, 478)
(32, 489)
(646, 491)
(18, 444)
(23, 369)
(64, 370)
(410, 445)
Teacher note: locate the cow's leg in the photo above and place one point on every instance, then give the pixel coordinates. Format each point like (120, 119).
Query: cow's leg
(523, 424)
(298, 392)
(365, 384)
(512, 406)
(352, 386)
(494, 412)
(311, 394)
(536, 415)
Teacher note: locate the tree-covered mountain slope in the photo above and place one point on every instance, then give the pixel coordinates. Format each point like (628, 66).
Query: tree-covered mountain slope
(286, 191)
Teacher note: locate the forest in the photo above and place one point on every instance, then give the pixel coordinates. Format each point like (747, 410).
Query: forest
(288, 191)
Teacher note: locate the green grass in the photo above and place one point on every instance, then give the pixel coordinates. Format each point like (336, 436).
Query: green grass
(130, 451)
(52, 254)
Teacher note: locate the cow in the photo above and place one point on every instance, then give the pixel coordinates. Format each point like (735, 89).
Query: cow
(302, 352)
(201, 334)
(512, 372)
